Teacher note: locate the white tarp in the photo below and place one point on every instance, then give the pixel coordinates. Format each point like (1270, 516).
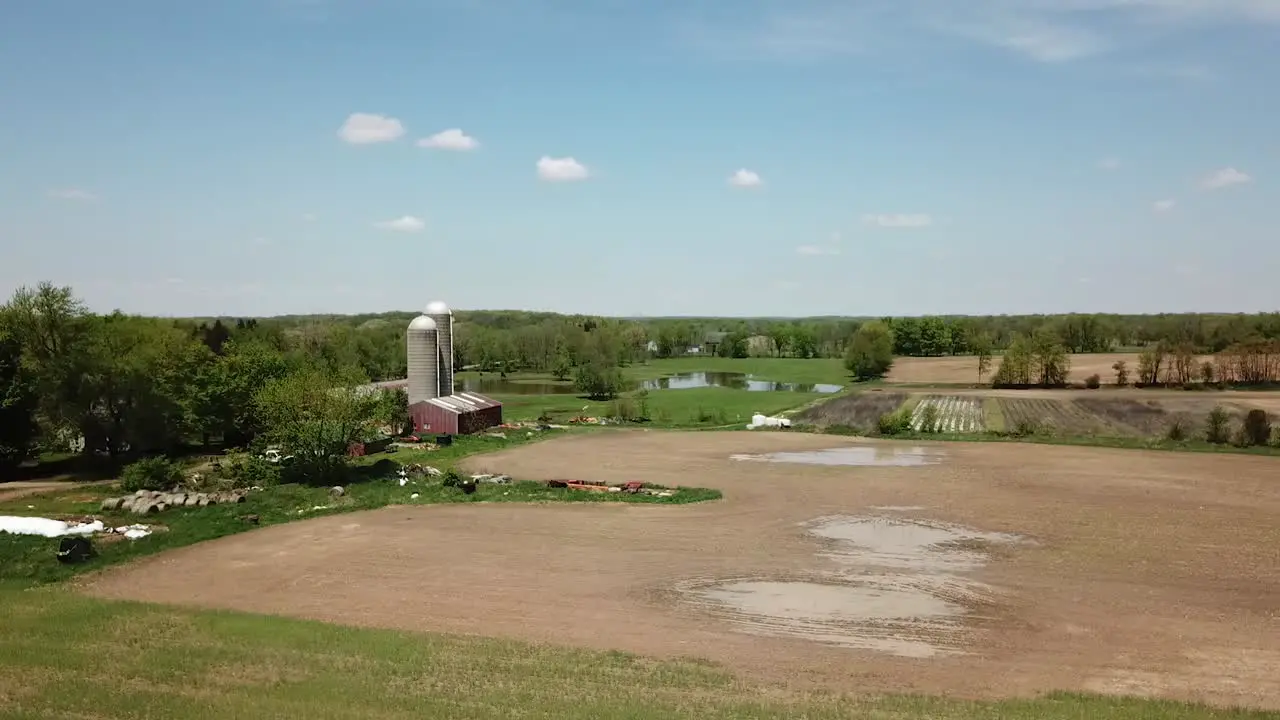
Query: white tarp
(46, 527)
(758, 421)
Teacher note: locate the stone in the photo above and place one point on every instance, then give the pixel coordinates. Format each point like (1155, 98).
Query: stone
(142, 493)
(202, 501)
(112, 504)
(337, 491)
(144, 506)
(191, 501)
(162, 506)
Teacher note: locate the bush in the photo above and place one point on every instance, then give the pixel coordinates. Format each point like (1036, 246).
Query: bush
(1216, 427)
(1093, 382)
(1257, 427)
(870, 351)
(453, 478)
(929, 419)
(1122, 373)
(1026, 428)
(894, 423)
(155, 473)
(1177, 430)
(245, 471)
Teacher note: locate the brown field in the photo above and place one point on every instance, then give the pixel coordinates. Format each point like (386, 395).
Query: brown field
(1118, 571)
(861, 410)
(964, 370)
(1061, 416)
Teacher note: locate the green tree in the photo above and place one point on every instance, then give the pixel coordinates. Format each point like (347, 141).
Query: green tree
(870, 351)
(18, 402)
(1049, 357)
(1015, 365)
(980, 345)
(316, 417)
(598, 378)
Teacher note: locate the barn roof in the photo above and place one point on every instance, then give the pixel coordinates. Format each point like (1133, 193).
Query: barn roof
(463, 402)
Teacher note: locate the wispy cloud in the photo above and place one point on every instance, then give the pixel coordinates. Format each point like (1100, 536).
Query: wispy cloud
(366, 128)
(1049, 31)
(406, 223)
(451, 139)
(901, 220)
(1225, 178)
(817, 250)
(73, 194)
(745, 178)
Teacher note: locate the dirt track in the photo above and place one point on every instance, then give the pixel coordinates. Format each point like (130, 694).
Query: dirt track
(1150, 573)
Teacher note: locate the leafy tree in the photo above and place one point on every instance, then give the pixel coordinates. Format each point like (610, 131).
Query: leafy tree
(599, 379)
(1122, 372)
(18, 402)
(564, 365)
(870, 352)
(316, 417)
(1050, 358)
(1015, 365)
(980, 345)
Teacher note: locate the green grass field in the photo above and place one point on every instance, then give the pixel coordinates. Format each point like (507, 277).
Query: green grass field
(63, 655)
(689, 408)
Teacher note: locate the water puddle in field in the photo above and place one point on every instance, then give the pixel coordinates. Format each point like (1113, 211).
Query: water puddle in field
(901, 590)
(857, 456)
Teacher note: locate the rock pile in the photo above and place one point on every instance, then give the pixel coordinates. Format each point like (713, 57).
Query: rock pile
(146, 502)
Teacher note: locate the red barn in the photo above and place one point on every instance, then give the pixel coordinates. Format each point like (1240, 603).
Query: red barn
(458, 414)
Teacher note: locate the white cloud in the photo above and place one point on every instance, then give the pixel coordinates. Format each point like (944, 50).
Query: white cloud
(1163, 205)
(899, 220)
(564, 169)
(407, 223)
(1224, 178)
(366, 128)
(814, 250)
(1108, 164)
(451, 139)
(745, 178)
(73, 194)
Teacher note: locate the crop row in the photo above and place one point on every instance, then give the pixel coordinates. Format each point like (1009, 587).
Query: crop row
(955, 414)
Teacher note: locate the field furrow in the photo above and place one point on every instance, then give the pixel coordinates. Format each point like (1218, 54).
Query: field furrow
(955, 414)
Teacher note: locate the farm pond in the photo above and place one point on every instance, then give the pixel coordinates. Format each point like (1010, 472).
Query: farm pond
(498, 385)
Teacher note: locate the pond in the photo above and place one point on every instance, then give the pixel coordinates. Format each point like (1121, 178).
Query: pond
(492, 384)
(737, 381)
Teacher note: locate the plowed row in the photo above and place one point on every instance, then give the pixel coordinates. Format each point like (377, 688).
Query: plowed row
(862, 410)
(956, 414)
(1066, 418)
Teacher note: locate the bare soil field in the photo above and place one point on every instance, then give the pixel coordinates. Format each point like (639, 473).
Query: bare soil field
(1060, 416)
(861, 410)
(964, 369)
(970, 570)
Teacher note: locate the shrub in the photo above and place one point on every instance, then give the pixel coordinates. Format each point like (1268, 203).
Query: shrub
(1206, 372)
(453, 478)
(1122, 373)
(1177, 430)
(245, 470)
(155, 473)
(1093, 382)
(1216, 427)
(1257, 427)
(1026, 428)
(869, 354)
(894, 423)
(929, 419)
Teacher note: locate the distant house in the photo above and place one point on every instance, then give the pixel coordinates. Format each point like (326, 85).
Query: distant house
(711, 343)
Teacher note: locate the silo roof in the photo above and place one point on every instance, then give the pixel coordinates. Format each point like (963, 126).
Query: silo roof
(438, 307)
(422, 322)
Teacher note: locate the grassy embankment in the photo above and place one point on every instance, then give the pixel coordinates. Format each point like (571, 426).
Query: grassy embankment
(688, 408)
(28, 558)
(64, 655)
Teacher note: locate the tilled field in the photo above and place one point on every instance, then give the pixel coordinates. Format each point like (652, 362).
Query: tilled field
(860, 410)
(962, 569)
(955, 414)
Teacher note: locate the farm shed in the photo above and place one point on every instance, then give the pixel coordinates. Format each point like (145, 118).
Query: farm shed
(458, 414)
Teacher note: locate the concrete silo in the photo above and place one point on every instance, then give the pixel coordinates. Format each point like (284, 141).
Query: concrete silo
(423, 351)
(443, 317)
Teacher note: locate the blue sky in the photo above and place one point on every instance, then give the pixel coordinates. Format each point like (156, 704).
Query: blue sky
(779, 157)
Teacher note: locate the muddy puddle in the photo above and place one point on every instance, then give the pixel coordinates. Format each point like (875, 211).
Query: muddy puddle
(901, 588)
(858, 456)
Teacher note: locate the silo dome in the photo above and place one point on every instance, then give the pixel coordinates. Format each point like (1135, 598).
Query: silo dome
(422, 322)
(438, 307)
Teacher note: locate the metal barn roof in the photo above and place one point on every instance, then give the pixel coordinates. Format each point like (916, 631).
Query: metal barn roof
(464, 402)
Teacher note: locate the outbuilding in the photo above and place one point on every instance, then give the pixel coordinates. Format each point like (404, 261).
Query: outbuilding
(458, 414)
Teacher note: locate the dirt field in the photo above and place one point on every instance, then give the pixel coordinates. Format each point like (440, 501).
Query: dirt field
(971, 570)
(860, 410)
(964, 370)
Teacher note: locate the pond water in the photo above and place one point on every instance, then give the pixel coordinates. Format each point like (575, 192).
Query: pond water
(493, 384)
(863, 456)
(737, 381)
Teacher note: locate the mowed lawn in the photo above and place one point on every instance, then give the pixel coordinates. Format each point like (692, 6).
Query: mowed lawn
(694, 407)
(64, 655)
